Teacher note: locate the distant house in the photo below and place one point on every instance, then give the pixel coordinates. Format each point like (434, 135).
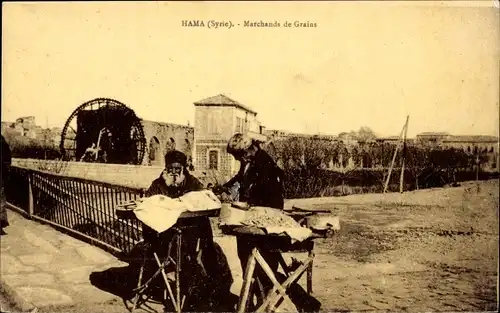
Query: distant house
(485, 145)
(347, 138)
(216, 119)
(390, 139)
(471, 144)
(24, 127)
(395, 140)
(281, 134)
(432, 138)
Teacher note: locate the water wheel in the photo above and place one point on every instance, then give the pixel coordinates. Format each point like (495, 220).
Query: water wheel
(103, 130)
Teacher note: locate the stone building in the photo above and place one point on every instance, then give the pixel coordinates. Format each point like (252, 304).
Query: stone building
(27, 127)
(432, 139)
(163, 137)
(216, 119)
(23, 126)
(472, 144)
(486, 145)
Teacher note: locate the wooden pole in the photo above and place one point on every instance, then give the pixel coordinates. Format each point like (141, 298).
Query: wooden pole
(401, 178)
(390, 169)
(393, 160)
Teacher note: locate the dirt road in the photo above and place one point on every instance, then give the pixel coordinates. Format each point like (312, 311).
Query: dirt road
(422, 251)
(431, 250)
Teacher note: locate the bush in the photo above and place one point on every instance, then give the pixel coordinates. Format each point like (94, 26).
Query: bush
(304, 161)
(325, 183)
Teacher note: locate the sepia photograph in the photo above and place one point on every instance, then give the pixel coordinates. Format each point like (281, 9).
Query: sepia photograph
(250, 156)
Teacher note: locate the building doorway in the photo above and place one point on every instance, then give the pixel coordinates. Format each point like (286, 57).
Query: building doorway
(213, 160)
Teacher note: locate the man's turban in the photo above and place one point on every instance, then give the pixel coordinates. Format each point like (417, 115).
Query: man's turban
(175, 156)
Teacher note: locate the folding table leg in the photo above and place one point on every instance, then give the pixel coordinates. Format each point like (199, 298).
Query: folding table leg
(272, 297)
(247, 280)
(251, 294)
(310, 273)
(178, 271)
(283, 264)
(269, 272)
(170, 293)
(138, 295)
(261, 290)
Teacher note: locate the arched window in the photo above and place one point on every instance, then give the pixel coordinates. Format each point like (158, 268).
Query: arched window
(154, 149)
(170, 144)
(188, 148)
(213, 160)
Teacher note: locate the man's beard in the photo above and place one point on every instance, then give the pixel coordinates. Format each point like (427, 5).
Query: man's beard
(174, 180)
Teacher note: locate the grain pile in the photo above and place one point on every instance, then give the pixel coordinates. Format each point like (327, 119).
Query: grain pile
(263, 217)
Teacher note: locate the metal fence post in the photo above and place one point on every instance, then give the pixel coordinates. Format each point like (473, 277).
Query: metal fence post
(31, 206)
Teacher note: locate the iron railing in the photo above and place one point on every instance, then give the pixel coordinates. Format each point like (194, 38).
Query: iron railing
(79, 205)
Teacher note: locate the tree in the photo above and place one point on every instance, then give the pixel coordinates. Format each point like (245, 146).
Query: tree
(24, 147)
(417, 162)
(365, 134)
(356, 156)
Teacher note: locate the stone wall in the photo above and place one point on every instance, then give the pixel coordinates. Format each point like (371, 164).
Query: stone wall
(214, 123)
(162, 137)
(135, 176)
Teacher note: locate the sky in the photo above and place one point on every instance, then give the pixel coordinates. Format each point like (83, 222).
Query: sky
(365, 64)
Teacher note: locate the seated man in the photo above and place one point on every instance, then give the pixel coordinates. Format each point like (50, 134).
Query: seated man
(198, 250)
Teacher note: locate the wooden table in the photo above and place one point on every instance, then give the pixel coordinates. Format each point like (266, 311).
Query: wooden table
(170, 259)
(271, 242)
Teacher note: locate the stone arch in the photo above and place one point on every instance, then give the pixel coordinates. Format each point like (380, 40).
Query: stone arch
(154, 151)
(189, 153)
(170, 145)
(189, 147)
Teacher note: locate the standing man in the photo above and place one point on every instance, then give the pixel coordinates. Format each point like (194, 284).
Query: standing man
(6, 162)
(259, 177)
(261, 184)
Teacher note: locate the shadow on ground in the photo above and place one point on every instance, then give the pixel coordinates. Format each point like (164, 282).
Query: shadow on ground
(121, 281)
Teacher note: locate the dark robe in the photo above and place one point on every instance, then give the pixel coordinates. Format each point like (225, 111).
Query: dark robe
(204, 284)
(260, 185)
